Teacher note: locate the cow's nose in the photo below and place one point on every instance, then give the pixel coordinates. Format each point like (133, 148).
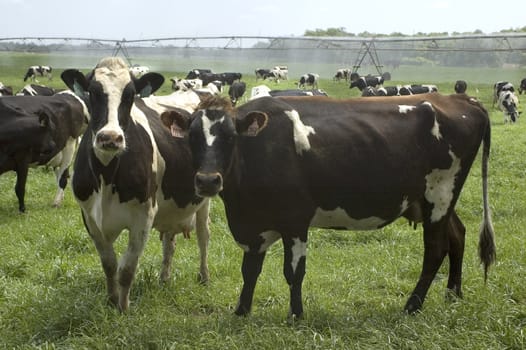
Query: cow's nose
(109, 140)
(208, 184)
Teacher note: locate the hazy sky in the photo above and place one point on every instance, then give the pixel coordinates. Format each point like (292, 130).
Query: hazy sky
(133, 19)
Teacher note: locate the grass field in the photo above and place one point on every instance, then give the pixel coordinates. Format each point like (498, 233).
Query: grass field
(52, 287)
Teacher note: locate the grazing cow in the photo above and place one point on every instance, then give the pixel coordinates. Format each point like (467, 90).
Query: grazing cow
(186, 84)
(33, 71)
(309, 79)
(236, 91)
(36, 90)
(131, 173)
(461, 86)
(40, 130)
(362, 82)
(522, 86)
(337, 154)
(196, 73)
(229, 78)
(262, 73)
(137, 70)
(281, 72)
(342, 73)
(5, 90)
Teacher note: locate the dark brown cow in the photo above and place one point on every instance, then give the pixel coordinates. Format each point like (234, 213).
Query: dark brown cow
(282, 165)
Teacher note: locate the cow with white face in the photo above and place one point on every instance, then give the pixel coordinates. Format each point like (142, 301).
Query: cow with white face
(336, 154)
(507, 101)
(133, 173)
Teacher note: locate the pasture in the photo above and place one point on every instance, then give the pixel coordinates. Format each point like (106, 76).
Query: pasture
(52, 287)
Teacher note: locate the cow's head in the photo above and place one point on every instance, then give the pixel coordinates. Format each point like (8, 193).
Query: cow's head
(213, 135)
(109, 91)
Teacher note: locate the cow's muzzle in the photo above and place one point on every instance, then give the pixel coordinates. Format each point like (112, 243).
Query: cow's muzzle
(109, 140)
(208, 184)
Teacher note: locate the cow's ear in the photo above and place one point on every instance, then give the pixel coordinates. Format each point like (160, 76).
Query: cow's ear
(252, 123)
(75, 81)
(43, 120)
(148, 84)
(178, 122)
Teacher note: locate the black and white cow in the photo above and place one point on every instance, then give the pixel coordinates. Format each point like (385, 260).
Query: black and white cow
(384, 91)
(131, 173)
(507, 101)
(236, 91)
(309, 79)
(461, 86)
(337, 153)
(500, 86)
(522, 86)
(5, 90)
(34, 71)
(40, 131)
(228, 78)
(179, 84)
(342, 74)
(197, 72)
(137, 70)
(36, 90)
(362, 82)
(263, 90)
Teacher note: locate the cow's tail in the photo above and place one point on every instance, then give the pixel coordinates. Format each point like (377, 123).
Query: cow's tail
(487, 250)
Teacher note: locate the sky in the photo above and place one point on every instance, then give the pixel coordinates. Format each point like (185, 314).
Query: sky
(133, 20)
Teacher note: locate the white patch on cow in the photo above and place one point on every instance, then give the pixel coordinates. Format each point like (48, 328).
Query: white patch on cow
(435, 129)
(301, 132)
(464, 116)
(404, 109)
(299, 249)
(439, 188)
(269, 237)
(339, 218)
(207, 126)
(113, 75)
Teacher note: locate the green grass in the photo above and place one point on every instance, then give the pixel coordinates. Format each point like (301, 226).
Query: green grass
(52, 288)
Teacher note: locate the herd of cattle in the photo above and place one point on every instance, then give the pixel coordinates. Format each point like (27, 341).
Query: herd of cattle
(143, 161)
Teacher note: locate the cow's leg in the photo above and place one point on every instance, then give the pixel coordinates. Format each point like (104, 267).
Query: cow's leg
(250, 268)
(294, 271)
(168, 239)
(456, 234)
(435, 249)
(203, 238)
(107, 257)
(20, 185)
(62, 170)
(62, 181)
(128, 263)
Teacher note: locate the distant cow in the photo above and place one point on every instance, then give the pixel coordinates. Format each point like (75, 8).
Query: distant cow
(342, 73)
(384, 91)
(185, 84)
(416, 89)
(281, 72)
(500, 86)
(36, 90)
(263, 90)
(137, 70)
(196, 73)
(132, 173)
(461, 86)
(236, 91)
(522, 86)
(362, 82)
(228, 78)
(40, 130)
(350, 164)
(5, 90)
(309, 79)
(34, 71)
